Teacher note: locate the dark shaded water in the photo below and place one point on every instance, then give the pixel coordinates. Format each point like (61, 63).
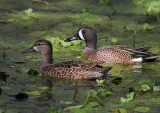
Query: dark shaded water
(19, 31)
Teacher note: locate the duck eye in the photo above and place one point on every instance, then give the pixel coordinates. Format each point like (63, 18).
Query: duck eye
(38, 44)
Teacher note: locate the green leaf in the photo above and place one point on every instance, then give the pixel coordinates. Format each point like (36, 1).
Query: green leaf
(91, 93)
(125, 99)
(142, 109)
(76, 42)
(33, 93)
(114, 40)
(145, 88)
(156, 88)
(29, 10)
(103, 93)
(148, 27)
(93, 104)
(99, 95)
(53, 110)
(130, 95)
(121, 110)
(66, 44)
(101, 82)
(147, 81)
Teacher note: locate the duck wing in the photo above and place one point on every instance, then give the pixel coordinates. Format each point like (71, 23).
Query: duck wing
(123, 54)
(74, 69)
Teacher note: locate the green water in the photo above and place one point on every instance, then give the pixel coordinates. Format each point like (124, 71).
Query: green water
(18, 31)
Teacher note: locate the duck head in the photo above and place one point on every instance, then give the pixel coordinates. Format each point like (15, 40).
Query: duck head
(45, 48)
(87, 34)
(42, 46)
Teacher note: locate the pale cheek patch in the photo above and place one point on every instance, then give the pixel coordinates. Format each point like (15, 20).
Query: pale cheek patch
(81, 34)
(35, 48)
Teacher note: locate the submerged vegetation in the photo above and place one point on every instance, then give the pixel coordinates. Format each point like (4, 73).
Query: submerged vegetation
(152, 7)
(126, 89)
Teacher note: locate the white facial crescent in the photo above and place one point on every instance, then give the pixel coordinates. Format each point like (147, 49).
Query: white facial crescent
(81, 34)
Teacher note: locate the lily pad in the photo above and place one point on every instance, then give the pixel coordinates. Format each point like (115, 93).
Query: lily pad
(142, 109)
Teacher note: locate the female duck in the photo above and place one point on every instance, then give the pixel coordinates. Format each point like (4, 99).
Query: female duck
(111, 54)
(68, 69)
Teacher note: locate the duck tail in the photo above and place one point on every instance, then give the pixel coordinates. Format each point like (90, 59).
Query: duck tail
(96, 72)
(151, 58)
(143, 49)
(105, 70)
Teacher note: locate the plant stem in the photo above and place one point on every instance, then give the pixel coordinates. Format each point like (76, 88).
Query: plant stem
(135, 29)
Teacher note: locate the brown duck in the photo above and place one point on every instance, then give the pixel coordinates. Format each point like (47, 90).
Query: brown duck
(113, 53)
(69, 69)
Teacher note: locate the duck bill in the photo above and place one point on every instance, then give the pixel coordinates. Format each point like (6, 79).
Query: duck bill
(71, 39)
(29, 50)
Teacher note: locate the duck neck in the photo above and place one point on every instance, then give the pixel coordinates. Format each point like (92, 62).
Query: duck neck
(47, 57)
(91, 45)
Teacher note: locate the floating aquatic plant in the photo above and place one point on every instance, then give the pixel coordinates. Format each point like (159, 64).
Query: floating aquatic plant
(130, 97)
(145, 85)
(148, 27)
(29, 10)
(101, 82)
(142, 109)
(152, 7)
(56, 41)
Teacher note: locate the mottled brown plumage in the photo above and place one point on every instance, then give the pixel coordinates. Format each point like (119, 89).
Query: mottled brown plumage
(111, 54)
(69, 69)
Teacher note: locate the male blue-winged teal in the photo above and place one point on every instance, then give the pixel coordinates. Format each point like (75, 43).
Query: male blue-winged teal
(113, 53)
(69, 69)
